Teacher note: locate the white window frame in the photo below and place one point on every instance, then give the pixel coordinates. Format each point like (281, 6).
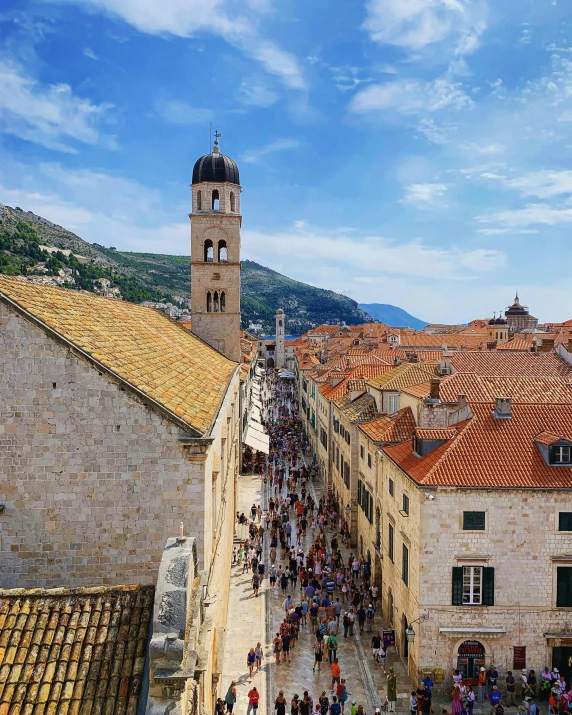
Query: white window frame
(472, 585)
(392, 403)
(562, 449)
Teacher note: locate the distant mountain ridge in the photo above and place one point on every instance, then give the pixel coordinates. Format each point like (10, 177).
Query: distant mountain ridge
(393, 316)
(164, 278)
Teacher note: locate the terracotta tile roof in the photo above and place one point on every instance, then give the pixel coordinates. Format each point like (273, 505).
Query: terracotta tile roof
(488, 452)
(387, 429)
(403, 375)
(73, 651)
(516, 344)
(361, 409)
(507, 363)
(435, 433)
(421, 390)
(450, 340)
(142, 346)
(356, 373)
(423, 356)
(358, 385)
(324, 330)
(548, 438)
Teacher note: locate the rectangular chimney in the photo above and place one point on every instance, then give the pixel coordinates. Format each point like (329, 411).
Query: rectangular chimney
(434, 388)
(503, 408)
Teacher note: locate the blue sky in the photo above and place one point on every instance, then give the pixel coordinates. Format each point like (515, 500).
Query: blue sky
(413, 152)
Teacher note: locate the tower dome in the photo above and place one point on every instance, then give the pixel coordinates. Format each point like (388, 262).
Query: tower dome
(215, 167)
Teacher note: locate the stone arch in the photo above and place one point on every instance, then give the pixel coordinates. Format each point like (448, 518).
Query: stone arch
(270, 363)
(215, 302)
(222, 252)
(199, 200)
(223, 302)
(209, 302)
(215, 200)
(208, 251)
(489, 652)
(232, 202)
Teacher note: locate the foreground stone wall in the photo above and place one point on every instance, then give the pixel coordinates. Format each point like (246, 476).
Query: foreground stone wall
(94, 482)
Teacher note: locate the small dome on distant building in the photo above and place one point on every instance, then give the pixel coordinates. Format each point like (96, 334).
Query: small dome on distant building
(516, 308)
(215, 167)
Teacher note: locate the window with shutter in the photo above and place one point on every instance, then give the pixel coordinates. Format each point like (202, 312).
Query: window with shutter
(457, 598)
(564, 587)
(405, 565)
(565, 521)
(488, 587)
(390, 541)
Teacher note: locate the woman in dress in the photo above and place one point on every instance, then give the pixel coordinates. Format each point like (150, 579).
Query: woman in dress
(277, 647)
(280, 704)
(250, 660)
(318, 655)
(230, 697)
(457, 700)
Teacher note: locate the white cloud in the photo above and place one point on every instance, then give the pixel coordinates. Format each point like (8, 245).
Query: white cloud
(182, 113)
(543, 184)
(254, 156)
(256, 93)
(424, 196)
(533, 214)
(414, 24)
(411, 96)
(236, 22)
(373, 255)
(88, 52)
(52, 116)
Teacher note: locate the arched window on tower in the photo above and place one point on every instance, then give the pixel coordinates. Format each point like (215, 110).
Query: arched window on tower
(222, 252)
(223, 302)
(232, 201)
(279, 323)
(209, 251)
(199, 200)
(216, 202)
(209, 302)
(215, 302)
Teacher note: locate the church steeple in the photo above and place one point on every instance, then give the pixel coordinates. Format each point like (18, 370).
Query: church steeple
(215, 252)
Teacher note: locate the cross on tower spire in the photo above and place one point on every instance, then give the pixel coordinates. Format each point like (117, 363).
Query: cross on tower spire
(217, 136)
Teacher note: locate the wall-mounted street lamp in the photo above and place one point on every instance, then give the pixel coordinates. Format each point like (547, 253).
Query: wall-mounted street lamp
(410, 633)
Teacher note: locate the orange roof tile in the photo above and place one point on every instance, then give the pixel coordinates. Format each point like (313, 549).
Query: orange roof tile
(403, 375)
(435, 433)
(141, 346)
(488, 452)
(507, 363)
(548, 438)
(421, 390)
(73, 650)
(390, 428)
(516, 344)
(450, 340)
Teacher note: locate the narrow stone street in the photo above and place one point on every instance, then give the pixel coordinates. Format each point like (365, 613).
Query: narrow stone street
(252, 620)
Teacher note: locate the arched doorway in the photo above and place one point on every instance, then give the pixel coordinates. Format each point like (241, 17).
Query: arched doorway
(470, 658)
(270, 363)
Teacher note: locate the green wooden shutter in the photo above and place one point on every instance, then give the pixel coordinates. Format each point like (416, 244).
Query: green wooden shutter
(457, 597)
(488, 587)
(564, 587)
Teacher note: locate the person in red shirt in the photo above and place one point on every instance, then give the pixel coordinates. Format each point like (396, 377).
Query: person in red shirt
(253, 697)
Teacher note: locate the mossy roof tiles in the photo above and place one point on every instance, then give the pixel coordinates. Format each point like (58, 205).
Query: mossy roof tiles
(142, 346)
(79, 651)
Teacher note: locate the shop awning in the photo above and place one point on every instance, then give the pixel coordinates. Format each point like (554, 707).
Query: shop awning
(256, 439)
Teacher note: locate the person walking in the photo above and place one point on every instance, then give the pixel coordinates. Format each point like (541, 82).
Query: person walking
(259, 653)
(295, 705)
(277, 647)
(318, 654)
(253, 697)
(342, 694)
(230, 697)
(250, 661)
(332, 644)
(280, 704)
(391, 690)
(482, 682)
(510, 689)
(457, 704)
(256, 583)
(335, 668)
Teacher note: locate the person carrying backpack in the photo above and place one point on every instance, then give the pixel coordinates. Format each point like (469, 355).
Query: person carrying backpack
(332, 644)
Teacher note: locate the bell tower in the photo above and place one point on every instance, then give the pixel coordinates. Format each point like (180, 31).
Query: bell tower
(215, 252)
(280, 324)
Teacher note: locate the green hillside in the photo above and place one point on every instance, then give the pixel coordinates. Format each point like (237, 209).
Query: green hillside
(161, 278)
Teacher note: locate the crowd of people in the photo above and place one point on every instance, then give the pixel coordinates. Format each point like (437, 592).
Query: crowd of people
(330, 596)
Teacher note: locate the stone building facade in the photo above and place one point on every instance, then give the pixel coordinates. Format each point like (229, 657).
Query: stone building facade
(476, 551)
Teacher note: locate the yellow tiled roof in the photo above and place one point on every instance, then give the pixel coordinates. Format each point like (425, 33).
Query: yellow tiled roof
(403, 376)
(73, 650)
(140, 345)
